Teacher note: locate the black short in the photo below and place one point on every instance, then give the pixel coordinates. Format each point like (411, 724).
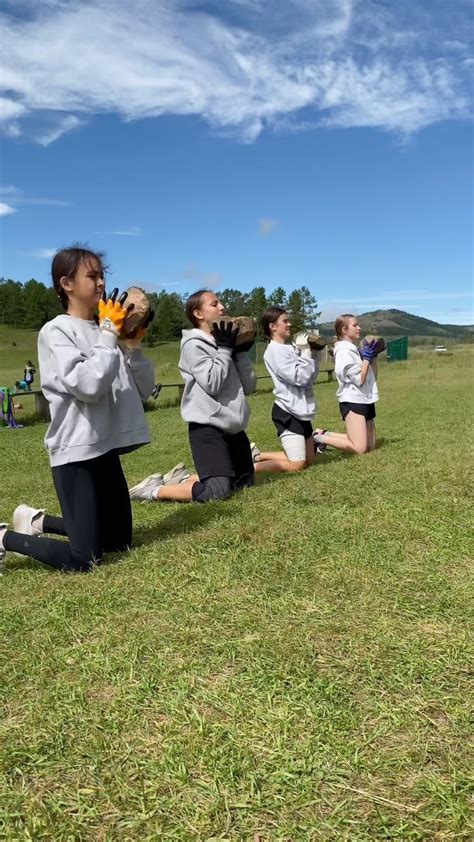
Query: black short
(365, 409)
(284, 420)
(219, 454)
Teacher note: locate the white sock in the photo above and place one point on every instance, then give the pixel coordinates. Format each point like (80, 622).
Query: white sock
(2, 535)
(37, 522)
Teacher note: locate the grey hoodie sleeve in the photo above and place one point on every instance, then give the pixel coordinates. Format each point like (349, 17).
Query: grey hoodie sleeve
(142, 372)
(352, 373)
(295, 370)
(208, 371)
(87, 378)
(247, 375)
(350, 365)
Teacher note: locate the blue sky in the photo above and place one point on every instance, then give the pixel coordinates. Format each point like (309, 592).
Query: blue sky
(245, 143)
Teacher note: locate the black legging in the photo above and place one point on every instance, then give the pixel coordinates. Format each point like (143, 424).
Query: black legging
(97, 516)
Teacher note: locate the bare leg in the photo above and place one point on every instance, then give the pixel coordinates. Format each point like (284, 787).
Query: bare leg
(278, 462)
(355, 441)
(336, 435)
(181, 493)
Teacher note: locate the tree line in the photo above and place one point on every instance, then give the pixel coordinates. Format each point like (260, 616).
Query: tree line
(31, 304)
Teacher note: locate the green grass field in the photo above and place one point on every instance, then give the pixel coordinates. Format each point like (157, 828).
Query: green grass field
(290, 664)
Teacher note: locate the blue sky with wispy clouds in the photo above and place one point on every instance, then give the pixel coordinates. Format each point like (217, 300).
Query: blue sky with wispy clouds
(245, 142)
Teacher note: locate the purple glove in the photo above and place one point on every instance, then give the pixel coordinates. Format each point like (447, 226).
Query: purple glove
(368, 352)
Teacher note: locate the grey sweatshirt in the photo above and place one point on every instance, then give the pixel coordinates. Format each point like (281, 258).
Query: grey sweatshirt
(347, 365)
(293, 377)
(94, 388)
(215, 383)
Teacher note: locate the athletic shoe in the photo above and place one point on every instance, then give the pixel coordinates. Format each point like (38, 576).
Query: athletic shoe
(177, 477)
(255, 451)
(3, 551)
(144, 489)
(174, 477)
(23, 518)
(319, 447)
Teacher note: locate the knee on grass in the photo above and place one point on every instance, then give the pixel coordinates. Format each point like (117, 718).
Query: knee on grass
(83, 562)
(294, 465)
(360, 449)
(212, 488)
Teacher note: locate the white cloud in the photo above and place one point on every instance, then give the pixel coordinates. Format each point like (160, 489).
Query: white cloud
(44, 253)
(266, 226)
(243, 65)
(5, 209)
(134, 231)
(62, 126)
(393, 299)
(17, 197)
(198, 278)
(10, 110)
(418, 301)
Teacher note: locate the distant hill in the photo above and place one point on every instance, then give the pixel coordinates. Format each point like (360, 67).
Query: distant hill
(390, 323)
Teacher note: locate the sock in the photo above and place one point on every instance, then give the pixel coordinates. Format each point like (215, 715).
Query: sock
(3, 530)
(319, 437)
(37, 522)
(155, 493)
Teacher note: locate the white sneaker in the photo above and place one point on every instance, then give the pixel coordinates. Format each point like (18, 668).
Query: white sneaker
(177, 475)
(3, 552)
(174, 471)
(319, 447)
(23, 518)
(144, 489)
(255, 451)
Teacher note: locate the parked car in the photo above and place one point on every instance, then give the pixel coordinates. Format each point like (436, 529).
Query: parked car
(440, 349)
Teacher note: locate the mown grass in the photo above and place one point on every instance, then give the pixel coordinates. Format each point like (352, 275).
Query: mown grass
(292, 663)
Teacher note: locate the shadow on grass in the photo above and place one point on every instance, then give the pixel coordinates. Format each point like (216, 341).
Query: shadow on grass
(187, 518)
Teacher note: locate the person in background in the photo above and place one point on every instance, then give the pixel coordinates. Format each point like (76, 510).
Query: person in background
(29, 374)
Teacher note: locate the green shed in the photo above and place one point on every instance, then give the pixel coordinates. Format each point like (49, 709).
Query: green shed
(397, 349)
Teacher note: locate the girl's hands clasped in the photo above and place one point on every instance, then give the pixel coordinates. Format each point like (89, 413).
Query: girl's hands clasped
(369, 352)
(225, 334)
(302, 345)
(112, 313)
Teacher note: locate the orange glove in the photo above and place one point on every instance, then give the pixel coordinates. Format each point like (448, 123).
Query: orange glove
(112, 313)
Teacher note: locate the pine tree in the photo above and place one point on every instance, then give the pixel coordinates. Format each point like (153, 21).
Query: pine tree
(309, 307)
(295, 310)
(234, 301)
(256, 302)
(169, 319)
(278, 298)
(302, 309)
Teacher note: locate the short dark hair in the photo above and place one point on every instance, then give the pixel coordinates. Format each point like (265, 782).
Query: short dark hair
(66, 262)
(193, 303)
(270, 316)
